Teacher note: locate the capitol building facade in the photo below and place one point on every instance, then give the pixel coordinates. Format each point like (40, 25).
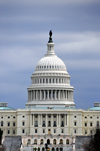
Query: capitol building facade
(50, 115)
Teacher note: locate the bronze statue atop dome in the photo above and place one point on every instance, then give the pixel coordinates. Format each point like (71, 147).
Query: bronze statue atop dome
(50, 33)
(50, 38)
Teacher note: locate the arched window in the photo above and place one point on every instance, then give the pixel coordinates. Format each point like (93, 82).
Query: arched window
(61, 141)
(43, 149)
(67, 141)
(61, 149)
(28, 141)
(54, 141)
(48, 141)
(38, 148)
(53, 149)
(41, 142)
(35, 141)
(57, 149)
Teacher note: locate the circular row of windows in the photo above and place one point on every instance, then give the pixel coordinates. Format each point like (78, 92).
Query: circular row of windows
(50, 67)
(63, 81)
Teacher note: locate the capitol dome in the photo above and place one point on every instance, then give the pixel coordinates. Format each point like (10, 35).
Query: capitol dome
(51, 62)
(50, 82)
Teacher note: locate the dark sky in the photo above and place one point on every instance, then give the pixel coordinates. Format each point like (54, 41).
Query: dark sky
(24, 28)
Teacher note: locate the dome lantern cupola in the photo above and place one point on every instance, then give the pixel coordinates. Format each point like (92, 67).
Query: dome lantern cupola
(50, 45)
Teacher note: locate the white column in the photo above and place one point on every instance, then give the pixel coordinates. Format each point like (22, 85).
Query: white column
(40, 95)
(44, 94)
(38, 119)
(55, 92)
(51, 120)
(65, 119)
(51, 94)
(59, 95)
(66, 94)
(46, 120)
(33, 119)
(72, 95)
(36, 94)
(63, 94)
(57, 120)
(48, 94)
(31, 94)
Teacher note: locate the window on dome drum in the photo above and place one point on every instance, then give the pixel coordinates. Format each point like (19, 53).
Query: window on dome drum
(85, 124)
(43, 80)
(13, 123)
(49, 80)
(47, 66)
(8, 123)
(56, 80)
(40, 67)
(53, 80)
(44, 66)
(52, 66)
(40, 80)
(1, 123)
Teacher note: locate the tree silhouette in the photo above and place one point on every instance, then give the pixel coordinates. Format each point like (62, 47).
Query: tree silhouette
(94, 143)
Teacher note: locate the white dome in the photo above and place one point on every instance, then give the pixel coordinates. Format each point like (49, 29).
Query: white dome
(51, 62)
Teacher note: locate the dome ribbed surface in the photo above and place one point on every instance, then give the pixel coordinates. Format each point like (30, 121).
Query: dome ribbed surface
(51, 61)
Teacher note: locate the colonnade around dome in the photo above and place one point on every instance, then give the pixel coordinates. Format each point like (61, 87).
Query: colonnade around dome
(50, 95)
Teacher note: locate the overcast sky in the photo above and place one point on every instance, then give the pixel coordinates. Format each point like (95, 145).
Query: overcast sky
(24, 28)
